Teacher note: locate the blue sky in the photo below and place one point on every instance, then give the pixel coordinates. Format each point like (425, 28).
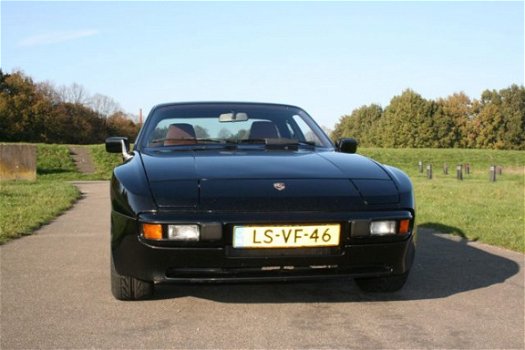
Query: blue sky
(327, 57)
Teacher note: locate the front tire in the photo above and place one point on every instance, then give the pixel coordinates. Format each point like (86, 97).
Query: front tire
(386, 284)
(129, 288)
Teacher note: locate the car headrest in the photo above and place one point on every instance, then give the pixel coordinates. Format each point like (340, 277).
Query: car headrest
(181, 134)
(264, 130)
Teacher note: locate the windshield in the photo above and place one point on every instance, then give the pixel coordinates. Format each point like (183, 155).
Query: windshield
(230, 124)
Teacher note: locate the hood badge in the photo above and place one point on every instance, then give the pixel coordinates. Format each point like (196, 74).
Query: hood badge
(279, 186)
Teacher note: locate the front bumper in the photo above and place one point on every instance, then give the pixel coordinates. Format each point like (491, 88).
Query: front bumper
(218, 261)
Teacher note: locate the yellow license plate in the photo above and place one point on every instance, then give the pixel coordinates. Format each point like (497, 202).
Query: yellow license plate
(294, 236)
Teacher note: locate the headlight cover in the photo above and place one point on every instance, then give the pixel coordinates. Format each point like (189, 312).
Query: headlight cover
(183, 232)
(381, 228)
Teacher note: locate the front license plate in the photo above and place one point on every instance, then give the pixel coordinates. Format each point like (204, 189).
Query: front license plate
(286, 236)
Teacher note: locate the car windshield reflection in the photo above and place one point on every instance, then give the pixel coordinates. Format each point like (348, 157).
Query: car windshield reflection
(270, 126)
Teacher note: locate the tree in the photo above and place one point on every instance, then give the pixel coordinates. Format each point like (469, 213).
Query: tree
(74, 93)
(49, 91)
(490, 121)
(501, 119)
(119, 124)
(104, 105)
(77, 124)
(367, 119)
(407, 121)
(340, 127)
(361, 125)
(452, 121)
(22, 109)
(38, 112)
(513, 110)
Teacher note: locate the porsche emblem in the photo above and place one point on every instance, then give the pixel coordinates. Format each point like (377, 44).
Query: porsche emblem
(279, 186)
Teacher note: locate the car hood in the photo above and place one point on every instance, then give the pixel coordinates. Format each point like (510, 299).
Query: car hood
(223, 180)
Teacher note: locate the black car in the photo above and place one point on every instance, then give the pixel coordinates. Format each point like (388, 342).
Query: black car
(218, 191)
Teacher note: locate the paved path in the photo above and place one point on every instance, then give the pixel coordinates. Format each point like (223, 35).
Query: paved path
(82, 158)
(55, 294)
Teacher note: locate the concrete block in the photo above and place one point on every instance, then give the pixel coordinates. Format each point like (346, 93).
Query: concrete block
(17, 162)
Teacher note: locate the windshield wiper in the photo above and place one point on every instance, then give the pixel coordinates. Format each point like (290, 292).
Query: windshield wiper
(279, 143)
(252, 141)
(268, 143)
(189, 141)
(170, 139)
(307, 143)
(216, 141)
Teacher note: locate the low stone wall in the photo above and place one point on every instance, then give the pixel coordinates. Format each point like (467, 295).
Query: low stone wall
(17, 162)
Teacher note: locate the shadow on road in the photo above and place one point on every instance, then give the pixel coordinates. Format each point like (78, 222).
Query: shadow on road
(443, 267)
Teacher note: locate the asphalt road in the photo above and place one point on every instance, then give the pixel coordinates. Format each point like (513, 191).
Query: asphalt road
(55, 293)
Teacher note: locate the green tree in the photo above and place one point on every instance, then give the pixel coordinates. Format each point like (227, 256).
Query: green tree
(490, 121)
(361, 125)
(339, 128)
(23, 109)
(452, 121)
(513, 110)
(501, 119)
(368, 118)
(407, 121)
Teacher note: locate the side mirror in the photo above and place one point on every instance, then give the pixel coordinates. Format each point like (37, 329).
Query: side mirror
(347, 145)
(118, 144)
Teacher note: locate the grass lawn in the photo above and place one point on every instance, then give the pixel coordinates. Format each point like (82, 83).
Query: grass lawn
(104, 161)
(27, 205)
(491, 212)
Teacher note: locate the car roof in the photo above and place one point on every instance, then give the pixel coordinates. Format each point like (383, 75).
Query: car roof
(223, 103)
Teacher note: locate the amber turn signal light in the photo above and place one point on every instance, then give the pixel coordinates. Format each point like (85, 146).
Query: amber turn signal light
(152, 231)
(404, 226)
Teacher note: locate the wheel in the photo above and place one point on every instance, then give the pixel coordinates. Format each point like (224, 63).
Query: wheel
(129, 288)
(382, 284)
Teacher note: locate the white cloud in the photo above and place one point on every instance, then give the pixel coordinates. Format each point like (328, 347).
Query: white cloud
(56, 37)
